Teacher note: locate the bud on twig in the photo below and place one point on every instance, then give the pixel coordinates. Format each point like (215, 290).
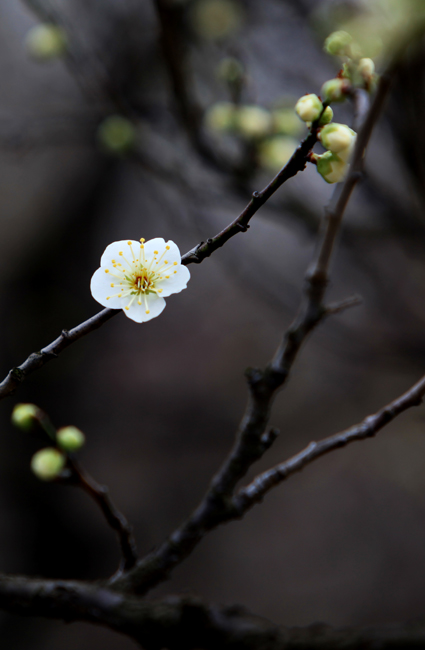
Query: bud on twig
(47, 463)
(70, 439)
(23, 416)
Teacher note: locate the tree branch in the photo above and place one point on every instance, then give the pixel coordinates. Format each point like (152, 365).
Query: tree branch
(115, 519)
(218, 506)
(187, 623)
(36, 360)
(248, 496)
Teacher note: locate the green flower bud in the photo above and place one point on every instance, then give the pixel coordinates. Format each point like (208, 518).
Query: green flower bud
(286, 122)
(331, 167)
(47, 463)
(336, 137)
(215, 19)
(366, 68)
(327, 116)
(44, 42)
(275, 152)
(334, 90)
(70, 439)
(230, 70)
(221, 116)
(337, 42)
(253, 122)
(116, 134)
(23, 416)
(308, 108)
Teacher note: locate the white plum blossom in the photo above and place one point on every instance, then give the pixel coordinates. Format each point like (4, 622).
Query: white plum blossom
(137, 276)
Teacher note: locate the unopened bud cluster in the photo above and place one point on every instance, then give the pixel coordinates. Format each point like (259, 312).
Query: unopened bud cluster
(339, 140)
(47, 464)
(358, 70)
(271, 133)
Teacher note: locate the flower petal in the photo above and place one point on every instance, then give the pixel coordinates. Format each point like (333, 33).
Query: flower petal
(101, 290)
(112, 252)
(154, 305)
(171, 255)
(176, 282)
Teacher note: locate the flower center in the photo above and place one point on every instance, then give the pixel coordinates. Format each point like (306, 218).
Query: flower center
(142, 281)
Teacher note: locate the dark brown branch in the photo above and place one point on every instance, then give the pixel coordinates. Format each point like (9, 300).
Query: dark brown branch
(187, 623)
(255, 492)
(116, 520)
(37, 360)
(296, 164)
(217, 507)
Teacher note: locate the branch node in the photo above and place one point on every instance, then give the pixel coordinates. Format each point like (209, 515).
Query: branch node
(255, 195)
(254, 376)
(268, 438)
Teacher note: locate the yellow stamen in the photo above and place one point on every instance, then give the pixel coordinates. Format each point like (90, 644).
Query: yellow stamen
(106, 271)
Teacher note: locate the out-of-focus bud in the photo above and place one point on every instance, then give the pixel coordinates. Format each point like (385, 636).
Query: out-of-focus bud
(230, 70)
(286, 122)
(215, 19)
(47, 463)
(275, 152)
(221, 116)
(366, 68)
(23, 416)
(336, 137)
(70, 439)
(334, 90)
(337, 42)
(327, 116)
(44, 42)
(308, 108)
(116, 134)
(331, 167)
(253, 122)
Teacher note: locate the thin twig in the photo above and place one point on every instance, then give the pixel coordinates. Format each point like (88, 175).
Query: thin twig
(116, 520)
(36, 360)
(255, 491)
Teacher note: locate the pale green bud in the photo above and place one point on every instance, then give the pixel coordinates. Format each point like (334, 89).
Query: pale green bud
(116, 134)
(44, 42)
(47, 463)
(253, 122)
(70, 439)
(230, 70)
(334, 90)
(331, 167)
(366, 68)
(327, 116)
(215, 19)
(286, 122)
(336, 137)
(23, 416)
(308, 108)
(221, 116)
(275, 152)
(337, 42)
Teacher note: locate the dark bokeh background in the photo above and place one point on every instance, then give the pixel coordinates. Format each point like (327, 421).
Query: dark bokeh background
(344, 541)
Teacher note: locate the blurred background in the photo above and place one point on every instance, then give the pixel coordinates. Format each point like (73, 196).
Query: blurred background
(118, 127)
